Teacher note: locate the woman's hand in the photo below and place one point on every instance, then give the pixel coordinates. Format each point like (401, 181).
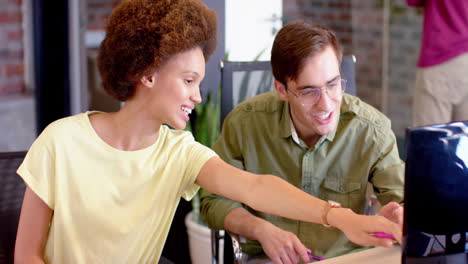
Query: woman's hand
(358, 228)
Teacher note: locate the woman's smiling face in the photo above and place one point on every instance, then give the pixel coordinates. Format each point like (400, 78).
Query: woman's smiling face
(176, 87)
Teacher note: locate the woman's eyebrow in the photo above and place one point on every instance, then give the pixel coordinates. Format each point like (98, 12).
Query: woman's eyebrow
(191, 72)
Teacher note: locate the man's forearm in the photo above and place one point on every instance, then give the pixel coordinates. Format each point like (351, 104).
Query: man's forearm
(241, 222)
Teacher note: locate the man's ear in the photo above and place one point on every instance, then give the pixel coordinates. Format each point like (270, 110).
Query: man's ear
(148, 80)
(281, 90)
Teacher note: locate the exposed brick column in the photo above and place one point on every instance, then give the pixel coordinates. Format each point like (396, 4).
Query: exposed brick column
(405, 41)
(336, 14)
(11, 48)
(367, 46)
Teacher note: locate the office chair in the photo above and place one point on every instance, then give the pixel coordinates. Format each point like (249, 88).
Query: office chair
(11, 197)
(239, 81)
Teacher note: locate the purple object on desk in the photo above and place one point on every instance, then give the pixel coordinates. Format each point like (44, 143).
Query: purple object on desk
(382, 235)
(312, 257)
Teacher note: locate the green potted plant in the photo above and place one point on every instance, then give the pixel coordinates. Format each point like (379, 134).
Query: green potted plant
(205, 127)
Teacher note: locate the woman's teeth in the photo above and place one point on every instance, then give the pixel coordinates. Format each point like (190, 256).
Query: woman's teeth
(187, 110)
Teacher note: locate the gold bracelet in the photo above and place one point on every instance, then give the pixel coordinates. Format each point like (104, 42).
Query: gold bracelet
(328, 206)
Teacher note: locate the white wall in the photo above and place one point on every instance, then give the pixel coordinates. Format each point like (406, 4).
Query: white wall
(250, 28)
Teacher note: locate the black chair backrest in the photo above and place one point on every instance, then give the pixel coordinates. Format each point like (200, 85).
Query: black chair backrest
(11, 197)
(241, 80)
(244, 79)
(348, 71)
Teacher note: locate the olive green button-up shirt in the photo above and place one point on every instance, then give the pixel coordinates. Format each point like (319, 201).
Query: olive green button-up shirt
(258, 137)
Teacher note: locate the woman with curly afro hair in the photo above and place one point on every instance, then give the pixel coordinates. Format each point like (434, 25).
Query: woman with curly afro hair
(104, 187)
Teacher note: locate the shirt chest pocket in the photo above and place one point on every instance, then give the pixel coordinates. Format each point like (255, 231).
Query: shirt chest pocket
(347, 193)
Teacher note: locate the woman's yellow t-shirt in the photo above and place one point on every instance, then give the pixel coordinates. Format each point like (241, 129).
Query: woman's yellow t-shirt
(110, 206)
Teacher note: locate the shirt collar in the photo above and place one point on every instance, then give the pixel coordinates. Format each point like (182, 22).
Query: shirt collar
(294, 134)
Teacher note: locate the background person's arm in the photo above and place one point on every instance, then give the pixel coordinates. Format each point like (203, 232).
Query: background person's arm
(32, 229)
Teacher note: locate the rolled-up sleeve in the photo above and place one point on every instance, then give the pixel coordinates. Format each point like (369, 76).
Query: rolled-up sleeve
(388, 171)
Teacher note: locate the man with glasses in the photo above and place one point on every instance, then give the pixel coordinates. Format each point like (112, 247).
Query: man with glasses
(313, 135)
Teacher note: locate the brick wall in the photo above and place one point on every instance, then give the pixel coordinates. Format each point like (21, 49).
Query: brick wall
(11, 48)
(334, 13)
(358, 24)
(405, 37)
(366, 21)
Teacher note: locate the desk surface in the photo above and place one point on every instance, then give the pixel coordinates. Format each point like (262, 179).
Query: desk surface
(379, 255)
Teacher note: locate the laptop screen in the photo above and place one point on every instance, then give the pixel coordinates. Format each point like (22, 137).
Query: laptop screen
(436, 194)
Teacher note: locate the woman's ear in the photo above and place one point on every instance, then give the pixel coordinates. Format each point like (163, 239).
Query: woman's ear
(281, 90)
(148, 80)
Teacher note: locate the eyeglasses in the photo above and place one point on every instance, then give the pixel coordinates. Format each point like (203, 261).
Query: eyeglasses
(310, 96)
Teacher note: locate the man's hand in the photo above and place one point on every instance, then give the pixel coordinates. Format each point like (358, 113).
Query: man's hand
(393, 212)
(280, 246)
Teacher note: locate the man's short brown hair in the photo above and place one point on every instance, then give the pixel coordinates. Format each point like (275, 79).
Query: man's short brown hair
(296, 42)
(143, 34)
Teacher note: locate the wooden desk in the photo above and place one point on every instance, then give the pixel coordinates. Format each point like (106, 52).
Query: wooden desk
(378, 255)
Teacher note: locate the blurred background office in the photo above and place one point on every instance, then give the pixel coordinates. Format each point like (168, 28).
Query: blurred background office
(48, 57)
(36, 89)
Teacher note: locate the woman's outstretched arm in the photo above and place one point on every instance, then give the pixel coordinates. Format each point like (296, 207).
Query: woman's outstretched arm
(273, 195)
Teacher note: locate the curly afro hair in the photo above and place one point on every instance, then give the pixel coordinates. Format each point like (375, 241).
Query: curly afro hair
(142, 34)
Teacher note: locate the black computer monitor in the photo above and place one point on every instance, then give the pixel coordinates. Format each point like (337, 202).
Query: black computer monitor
(436, 195)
